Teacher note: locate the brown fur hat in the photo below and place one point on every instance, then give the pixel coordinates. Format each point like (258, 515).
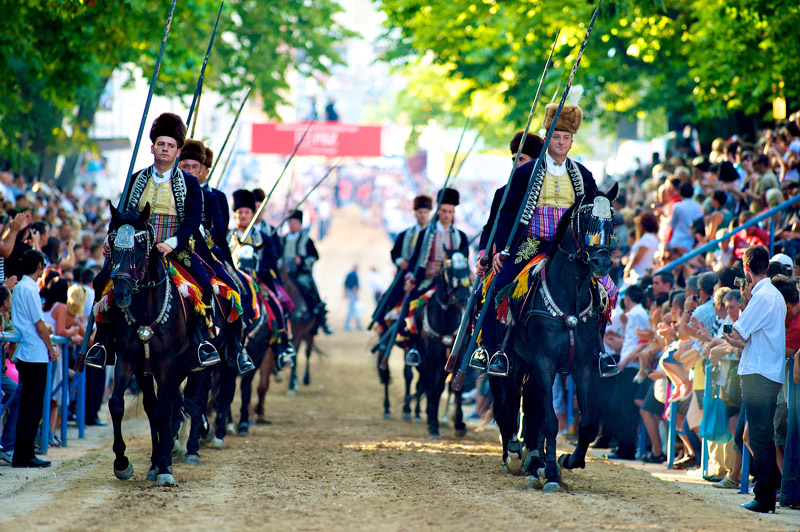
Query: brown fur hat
(423, 202)
(193, 150)
(169, 125)
(569, 119)
(209, 162)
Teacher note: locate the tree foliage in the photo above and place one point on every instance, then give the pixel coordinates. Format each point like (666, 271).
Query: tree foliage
(695, 60)
(56, 57)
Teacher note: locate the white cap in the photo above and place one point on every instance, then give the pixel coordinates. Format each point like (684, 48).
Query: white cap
(784, 259)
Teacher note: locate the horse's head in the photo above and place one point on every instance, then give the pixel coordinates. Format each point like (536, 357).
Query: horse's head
(131, 238)
(455, 275)
(595, 231)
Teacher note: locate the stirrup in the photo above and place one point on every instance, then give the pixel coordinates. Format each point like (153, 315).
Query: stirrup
(244, 364)
(93, 356)
(285, 358)
(413, 357)
(607, 365)
(498, 365)
(479, 359)
(207, 354)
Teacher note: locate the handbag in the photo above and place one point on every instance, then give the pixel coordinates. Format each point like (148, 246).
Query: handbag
(731, 391)
(714, 426)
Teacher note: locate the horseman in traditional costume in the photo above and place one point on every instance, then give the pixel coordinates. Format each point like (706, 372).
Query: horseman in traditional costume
(299, 256)
(257, 257)
(559, 182)
(446, 238)
(214, 228)
(176, 205)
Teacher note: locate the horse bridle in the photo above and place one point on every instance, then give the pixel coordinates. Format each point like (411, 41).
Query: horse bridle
(124, 242)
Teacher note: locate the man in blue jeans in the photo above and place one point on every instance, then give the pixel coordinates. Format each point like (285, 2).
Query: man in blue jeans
(760, 332)
(351, 293)
(11, 401)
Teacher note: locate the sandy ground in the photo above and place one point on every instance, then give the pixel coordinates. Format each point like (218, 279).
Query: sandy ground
(330, 462)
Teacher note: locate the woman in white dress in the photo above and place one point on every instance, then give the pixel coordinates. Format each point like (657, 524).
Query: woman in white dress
(642, 254)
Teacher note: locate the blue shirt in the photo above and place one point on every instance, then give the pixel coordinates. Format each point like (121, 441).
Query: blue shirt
(26, 312)
(683, 214)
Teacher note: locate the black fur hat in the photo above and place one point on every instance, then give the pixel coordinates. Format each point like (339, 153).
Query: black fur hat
(243, 198)
(168, 125)
(450, 196)
(193, 150)
(423, 202)
(296, 215)
(209, 162)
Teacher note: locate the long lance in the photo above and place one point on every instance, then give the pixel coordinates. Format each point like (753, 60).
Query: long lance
(384, 299)
(126, 188)
(317, 184)
(196, 114)
(469, 151)
(422, 259)
(199, 88)
(467, 316)
(522, 221)
(123, 199)
(266, 200)
(228, 136)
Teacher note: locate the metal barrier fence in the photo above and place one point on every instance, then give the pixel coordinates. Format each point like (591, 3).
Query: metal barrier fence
(65, 388)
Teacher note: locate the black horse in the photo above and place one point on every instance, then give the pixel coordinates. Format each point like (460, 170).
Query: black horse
(439, 320)
(150, 324)
(558, 329)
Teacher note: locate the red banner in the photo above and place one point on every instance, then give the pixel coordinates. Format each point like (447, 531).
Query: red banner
(333, 139)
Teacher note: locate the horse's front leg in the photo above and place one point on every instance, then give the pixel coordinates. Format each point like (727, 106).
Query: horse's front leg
(195, 396)
(458, 420)
(123, 468)
(506, 403)
(145, 383)
(408, 376)
(309, 347)
(587, 429)
(541, 396)
(167, 396)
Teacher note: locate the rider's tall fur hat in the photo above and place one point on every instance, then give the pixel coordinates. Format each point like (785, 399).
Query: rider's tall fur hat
(571, 115)
(209, 162)
(423, 202)
(296, 215)
(193, 150)
(449, 196)
(169, 125)
(243, 198)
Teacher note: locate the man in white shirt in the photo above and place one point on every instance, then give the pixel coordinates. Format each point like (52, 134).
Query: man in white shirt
(624, 411)
(683, 214)
(33, 353)
(760, 332)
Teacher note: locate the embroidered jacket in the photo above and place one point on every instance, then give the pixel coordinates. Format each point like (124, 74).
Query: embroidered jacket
(299, 245)
(261, 261)
(405, 243)
(188, 203)
(458, 242)
(582, 183)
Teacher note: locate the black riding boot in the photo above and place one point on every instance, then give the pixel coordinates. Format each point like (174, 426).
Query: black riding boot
(321, 312)
(101, 353)
(244, 364)
(606, 364)
(284, 353)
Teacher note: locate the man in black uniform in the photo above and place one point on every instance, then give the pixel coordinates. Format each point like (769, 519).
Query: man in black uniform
(406, 241)
(176, 202)
(299, 256)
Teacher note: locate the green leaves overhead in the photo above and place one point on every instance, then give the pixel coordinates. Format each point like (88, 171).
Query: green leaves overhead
(56, 57)
(695, 60)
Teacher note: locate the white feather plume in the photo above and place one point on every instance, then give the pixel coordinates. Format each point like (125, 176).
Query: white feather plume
(575, 94)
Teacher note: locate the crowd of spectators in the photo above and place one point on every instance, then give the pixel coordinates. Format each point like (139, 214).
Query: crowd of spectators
(50, 250)
(729, 313)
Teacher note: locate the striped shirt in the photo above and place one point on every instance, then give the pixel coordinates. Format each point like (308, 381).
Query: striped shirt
(544, 222)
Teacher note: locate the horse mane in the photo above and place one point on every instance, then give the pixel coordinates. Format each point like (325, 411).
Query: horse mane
(563, 226)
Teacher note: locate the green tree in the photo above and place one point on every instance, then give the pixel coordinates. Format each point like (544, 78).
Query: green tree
(56, 57)
(696, 60)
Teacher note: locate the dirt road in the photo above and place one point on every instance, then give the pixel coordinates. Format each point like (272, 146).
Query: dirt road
(330, 462)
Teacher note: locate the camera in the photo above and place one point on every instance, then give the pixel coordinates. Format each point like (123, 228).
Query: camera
(739, 282)
(727, 328)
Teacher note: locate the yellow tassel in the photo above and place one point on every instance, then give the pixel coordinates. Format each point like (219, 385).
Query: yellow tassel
(480, 337)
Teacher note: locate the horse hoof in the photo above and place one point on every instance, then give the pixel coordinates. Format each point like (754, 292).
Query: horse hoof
(192, 459)
(291, 392)
(533, 482)
(387, 415)
(126, 473)
(151, 475)
(417, 419)
(218, 443)
(165, 480)
(263, 421)
(460, 433)
(551, 487)
(435, 436)
(230, 428)
(306, 380)
(406, 416)
(176, 446)
(514, 463)
(244, 429)
(505, 470)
